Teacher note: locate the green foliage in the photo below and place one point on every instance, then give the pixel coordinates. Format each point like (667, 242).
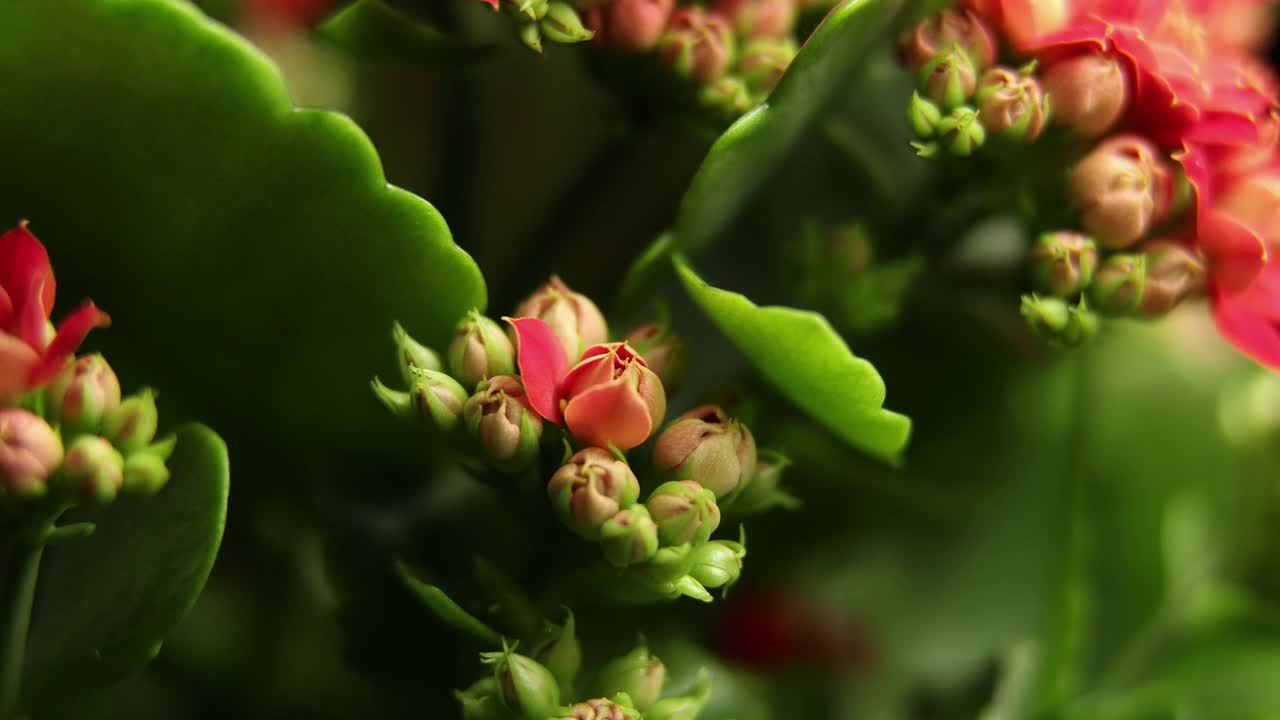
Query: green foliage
(449, 612)
(252, 255)
(106, 602)
(373, 30)
(807, 361)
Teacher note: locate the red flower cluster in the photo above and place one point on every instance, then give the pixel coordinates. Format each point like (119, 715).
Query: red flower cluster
(32, 352)
(1196, 92)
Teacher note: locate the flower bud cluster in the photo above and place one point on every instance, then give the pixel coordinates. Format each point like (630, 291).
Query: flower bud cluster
(82, 440)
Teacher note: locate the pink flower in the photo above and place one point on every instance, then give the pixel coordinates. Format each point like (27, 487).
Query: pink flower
(31, 351)
(609, 397)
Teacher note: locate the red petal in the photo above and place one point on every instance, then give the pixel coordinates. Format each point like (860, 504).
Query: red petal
(610, 413)
(23, 264)
(542, 365)
(1249, 320)
(71, 333)
(6, 310)
(16, 362)
(1236, 253)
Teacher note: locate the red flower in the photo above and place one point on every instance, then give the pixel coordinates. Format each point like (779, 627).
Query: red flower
(610, 397)
(31, 351)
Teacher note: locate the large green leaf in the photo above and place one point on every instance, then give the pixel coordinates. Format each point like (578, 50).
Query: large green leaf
(373, 30)
(800, 353)
(106, 602)
(250, 253)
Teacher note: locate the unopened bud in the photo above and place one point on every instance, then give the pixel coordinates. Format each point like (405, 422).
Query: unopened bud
(1120, 284)
(481, 701)
(591, 488)
(639, 674)
(600, 709)
(145, 473)
(1059, 322)
(93, 469)
(30, 452)
(764, 491)
(718, 563)
(629, 537)
(662, 350)
(500, 417)
(574, 319)
(950, 79)
(1063, 262)
(561, 653)
(759, 19)
(525, 686)
(634, 26)
(413, 356)
(961, 131)
(728, 96)
(683, 707)
(530, 34)
(706, 446)
(81, 396)
(1120, 188)
(480, 350)
(1089, 92)
(131, 425)
(684, 511)
(1012, 105)
(697, 44)
(528, 11)
(434, 399)
(763, 62)
(1174, 272)
(947, 29)
(923, 116)
(562, 24)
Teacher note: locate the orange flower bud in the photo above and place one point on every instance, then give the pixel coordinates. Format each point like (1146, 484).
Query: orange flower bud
(1121, 189)
(612, 397)
(1012, 104)
(1089, 92)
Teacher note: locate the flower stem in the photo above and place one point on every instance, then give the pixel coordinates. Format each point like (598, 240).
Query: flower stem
(17, 595)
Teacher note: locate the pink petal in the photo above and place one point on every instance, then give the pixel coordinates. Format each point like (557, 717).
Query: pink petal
(1252, 330)
(610, 413)
(70, 334)
(22, 259)
(1236, 253)
(542, 365)
(31, 317)
(17, 359)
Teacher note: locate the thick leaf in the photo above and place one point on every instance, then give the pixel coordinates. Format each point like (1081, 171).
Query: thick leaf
(806, 359)
(372, 30)
(449, 612)
(159, 157)
(106, 602)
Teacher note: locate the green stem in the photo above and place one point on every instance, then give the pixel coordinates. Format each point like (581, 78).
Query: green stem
(17, 594)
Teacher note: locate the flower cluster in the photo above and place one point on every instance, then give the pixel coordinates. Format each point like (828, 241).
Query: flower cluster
(732, 52)
(628, 687)
(65, 430)
(1171, 125)
(562, 373)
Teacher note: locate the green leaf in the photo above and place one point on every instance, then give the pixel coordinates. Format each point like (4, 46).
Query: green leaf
(106, 602)
(249, 253)
(807, 361)
(372, 30)
(748, 151)
(449, 612)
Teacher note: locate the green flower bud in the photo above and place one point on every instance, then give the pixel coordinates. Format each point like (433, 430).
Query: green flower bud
(93, 469)
(413, 356)
(144, 473)
(1174, 272)
(531, 35)
(683, 707)
(950, 78)
(1063, 263)
(961, 132)
(662, 349)
(923, 116)
(1059, 322)
(718, 563)
(82, 395)
(131, 425)
(639, 674)
(684, 511)
(562, 24)
(629, 537)
(590, 489)
(500, 417)
(763, 62)
(435, 399)
(528, 11)
(481, 702)
(1119, 285)
(561, 653)
(706, 446)
(480, 350)
(525, 686)
(600, 709)
(764, 492)
(728, 95)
